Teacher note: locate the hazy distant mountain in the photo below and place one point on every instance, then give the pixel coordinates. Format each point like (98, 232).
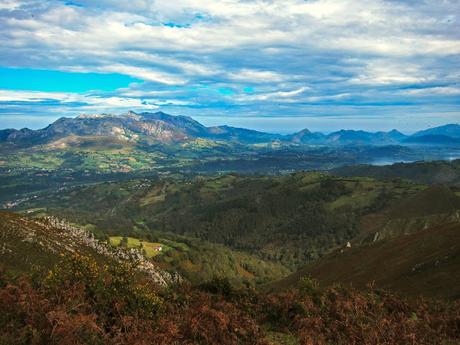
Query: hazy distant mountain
(242, 135)
(433, 139)
(307, 137)
(450, 130)
(393, 135)
(348, 137)
(163, 128)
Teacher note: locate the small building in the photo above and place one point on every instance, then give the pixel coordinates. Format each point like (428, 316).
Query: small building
(158, 248)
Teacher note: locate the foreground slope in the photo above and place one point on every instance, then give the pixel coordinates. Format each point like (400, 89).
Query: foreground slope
(423, 263)
(27, 244)
(78, 301)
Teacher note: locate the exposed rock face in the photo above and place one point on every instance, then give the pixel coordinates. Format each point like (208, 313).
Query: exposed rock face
(50, 235)
(155, 126)
(87, 239)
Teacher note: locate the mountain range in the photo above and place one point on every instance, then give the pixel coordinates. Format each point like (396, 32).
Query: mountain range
(168, 129)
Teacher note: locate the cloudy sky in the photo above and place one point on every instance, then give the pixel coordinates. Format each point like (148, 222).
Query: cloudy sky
(275, 65)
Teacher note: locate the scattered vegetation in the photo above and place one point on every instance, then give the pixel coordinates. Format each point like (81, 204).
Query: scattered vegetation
(80, 302)
(149, 249)
(290, 219)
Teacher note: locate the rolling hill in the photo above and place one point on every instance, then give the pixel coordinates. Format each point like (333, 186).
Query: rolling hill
(423, 263)
(289, 220)
(27, 244)
(435, 172)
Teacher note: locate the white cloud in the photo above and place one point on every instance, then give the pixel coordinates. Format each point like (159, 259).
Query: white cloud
(388, 72)
(256, 76)
(439, 90)
(285, 96)
(143, 73)
(65, 98)
(186, 49)
(9, 4)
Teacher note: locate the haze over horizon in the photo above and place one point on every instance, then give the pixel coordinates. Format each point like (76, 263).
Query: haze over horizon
(258, 124)
(277, 67)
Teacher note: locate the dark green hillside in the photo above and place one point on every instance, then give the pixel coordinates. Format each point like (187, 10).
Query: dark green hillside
(436, 172)
(27, 243)
(427, 208)
(199, 261)
(426, 262)
(433, 200)
(289, 219)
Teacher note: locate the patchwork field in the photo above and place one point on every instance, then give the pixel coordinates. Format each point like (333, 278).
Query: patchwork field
(151, 249)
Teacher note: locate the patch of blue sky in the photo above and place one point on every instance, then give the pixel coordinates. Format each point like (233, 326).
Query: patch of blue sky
(198, 17)
(72, 3)
(176, 25)
(60, 81)
(225, 91)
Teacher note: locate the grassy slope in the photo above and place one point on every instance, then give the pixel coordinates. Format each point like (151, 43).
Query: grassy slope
(202, 261)
(26, 243)
(149, 247)
(426, 262)
(289, 219)
(253, 228)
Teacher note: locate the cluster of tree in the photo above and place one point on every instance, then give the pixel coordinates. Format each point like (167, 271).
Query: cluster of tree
(287, 219)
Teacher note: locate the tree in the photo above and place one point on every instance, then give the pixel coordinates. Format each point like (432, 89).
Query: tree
(124, 242)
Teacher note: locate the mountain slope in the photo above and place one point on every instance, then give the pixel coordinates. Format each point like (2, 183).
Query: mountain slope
(445, 172)
(27, 243)
(354, 137)
(160, 127)
(426, 262)
(133, 127)
(433, 200)
(306, 137)
(242, 135)
(450, 130)
(288, 219)
(433, 139)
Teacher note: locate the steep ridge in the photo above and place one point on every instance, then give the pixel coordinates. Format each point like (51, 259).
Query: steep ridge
(424, 263)
(450, 130)
(436, 199)
(27, 243)
(430, 207)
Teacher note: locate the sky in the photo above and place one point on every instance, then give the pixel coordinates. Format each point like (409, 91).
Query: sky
(271, 65)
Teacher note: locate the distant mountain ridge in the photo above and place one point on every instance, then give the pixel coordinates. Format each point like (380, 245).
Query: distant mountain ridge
(160, 127)
(450, 130)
